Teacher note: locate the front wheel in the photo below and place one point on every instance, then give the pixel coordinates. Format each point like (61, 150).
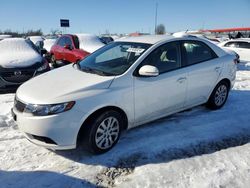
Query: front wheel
(53, 61)
(219, 96)
(104, 132)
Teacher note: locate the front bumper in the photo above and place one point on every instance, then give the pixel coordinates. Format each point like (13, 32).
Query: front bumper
(8, 86)
(56, 132)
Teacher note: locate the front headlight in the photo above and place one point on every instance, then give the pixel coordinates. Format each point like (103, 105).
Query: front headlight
(44, 110)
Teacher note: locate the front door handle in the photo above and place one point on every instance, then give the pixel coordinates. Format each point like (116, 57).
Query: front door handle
(217, 69)
(181, 79)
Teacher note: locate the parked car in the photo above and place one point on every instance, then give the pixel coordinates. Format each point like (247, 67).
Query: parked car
(19, 61)
(67, 49)
(203, 36)
(240, 46)
(49, 42)
(106, 39)
(36, 39)
(122, 85)
(89, 42)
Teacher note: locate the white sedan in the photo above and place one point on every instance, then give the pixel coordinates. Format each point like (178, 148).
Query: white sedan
(240, 46)
(122, 85)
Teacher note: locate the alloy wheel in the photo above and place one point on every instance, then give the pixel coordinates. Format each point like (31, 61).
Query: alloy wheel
(107, 133)
(220, 95)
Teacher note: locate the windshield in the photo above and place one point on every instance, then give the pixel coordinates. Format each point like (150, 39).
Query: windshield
(114, 58)
(32, 45)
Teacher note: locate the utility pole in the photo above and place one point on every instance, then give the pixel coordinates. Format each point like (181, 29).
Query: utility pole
(156, 11)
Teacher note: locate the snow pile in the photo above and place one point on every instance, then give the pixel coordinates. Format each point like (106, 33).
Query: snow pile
(36, 39)
(115, 37)
(48, 43)
(16, 52)
(5, 37)
(226, 168)
(89, 42)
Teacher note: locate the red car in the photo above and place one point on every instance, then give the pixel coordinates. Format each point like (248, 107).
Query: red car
(67, 49)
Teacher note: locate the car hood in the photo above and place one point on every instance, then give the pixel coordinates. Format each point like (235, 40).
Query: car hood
(17, 53)
(61, 85)
(19, 59)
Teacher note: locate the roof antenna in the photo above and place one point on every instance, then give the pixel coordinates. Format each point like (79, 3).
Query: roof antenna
(186, 31)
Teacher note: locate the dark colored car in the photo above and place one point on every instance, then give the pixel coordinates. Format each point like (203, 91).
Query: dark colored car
(67, 49)
(20, 60)
(106, 40)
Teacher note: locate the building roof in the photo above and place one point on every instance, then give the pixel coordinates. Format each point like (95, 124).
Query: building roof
(228, 29)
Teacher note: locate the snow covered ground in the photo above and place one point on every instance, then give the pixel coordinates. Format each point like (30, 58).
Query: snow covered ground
(195, 148)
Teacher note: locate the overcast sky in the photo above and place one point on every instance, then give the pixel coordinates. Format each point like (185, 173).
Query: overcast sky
(123, 16)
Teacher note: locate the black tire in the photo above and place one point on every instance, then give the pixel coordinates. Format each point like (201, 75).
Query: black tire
(53, 61)
(215, 101)
(96, 124)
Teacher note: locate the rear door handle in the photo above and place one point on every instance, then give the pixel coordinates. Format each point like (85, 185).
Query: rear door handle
(181, 79)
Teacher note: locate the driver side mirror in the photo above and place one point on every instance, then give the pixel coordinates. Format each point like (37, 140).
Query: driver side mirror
(149, 71)
(68, 46)
(43, 51)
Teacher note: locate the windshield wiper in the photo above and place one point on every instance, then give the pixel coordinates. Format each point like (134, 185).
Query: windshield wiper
(95, 71)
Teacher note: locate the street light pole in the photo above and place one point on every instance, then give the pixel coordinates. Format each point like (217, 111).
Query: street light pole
(156, 11)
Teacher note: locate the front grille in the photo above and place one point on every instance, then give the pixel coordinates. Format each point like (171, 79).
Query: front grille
(17, 76)
(19, 106)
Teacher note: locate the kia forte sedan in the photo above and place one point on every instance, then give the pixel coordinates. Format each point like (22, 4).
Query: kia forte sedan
(122, 85)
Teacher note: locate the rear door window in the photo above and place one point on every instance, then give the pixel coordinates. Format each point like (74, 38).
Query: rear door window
(245, 45)
(196, 52)
(232, 44)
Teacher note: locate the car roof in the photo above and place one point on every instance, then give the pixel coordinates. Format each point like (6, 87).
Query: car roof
(67, 35)
(149, 39)
(154, 39)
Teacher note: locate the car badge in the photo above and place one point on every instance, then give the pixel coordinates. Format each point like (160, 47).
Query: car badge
(17, 73)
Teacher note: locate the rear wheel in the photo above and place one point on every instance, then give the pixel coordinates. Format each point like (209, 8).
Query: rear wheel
(219, 96)
(104, 131)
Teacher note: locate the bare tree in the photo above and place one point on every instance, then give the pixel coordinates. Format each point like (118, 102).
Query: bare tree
(54, 31)
(23, 34)
(160, 29)
(37, 32)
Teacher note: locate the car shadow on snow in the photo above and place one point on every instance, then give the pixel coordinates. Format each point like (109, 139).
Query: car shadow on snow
(30, 179)
(243, 66)
(8, 91)
(186, 134)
